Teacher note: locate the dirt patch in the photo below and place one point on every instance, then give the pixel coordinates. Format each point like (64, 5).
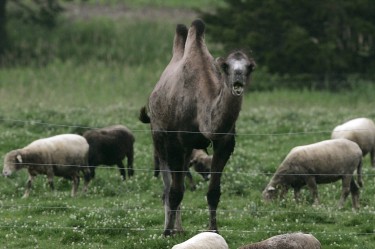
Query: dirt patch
(88, 11)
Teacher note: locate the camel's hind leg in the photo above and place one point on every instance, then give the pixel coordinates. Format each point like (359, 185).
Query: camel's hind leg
(176, 191)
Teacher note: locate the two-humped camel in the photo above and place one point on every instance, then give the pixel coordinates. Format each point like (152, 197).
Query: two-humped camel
(196, 102)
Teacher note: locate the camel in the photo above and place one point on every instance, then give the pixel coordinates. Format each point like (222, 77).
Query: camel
(195, 103)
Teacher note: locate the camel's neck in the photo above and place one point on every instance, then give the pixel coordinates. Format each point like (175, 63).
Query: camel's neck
(224, 112)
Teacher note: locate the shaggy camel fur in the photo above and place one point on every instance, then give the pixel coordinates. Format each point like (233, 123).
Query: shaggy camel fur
(196, 102)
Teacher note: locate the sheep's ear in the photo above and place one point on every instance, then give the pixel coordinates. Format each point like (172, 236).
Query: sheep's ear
(19, 158)
(270, 188)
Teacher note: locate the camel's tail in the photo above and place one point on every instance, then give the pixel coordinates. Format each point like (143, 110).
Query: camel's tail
(143, 116)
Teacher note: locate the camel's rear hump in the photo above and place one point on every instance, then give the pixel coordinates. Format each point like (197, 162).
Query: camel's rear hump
(195, 38)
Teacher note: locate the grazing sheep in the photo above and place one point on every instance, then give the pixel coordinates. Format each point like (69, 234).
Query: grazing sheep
(109, 146)
(196, 102)
(323, 162)
(205, 240)
(199, 160)
(287, 241)
(361, 131)
(62, 155)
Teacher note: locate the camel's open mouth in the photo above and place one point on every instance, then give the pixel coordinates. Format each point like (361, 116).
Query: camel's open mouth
(237, 88)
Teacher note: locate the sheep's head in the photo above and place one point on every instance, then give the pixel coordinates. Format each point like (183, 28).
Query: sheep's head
(237, 68)
(269, 193)
(202, 166)
(12, 162)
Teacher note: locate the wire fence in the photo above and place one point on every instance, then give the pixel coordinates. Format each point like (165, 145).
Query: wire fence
(195, 210)
(159, 231)
(34, 122)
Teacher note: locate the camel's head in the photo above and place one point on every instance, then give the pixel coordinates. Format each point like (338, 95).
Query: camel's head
(237, 68)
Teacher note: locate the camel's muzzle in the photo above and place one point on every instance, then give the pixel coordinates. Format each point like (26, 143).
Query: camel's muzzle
(237, 88)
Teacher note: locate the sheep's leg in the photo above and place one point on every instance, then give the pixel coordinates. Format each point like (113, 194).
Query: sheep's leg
(191, 180)
(222, 151)
(86, 179)
(92, 172)
(372, 157)
(50, 181)
(311, 184)
(75, 179)
(29, 184)
(345, 189)
(283, 192)
(130, 157)
(121, 166)
(354, 190)
(297, 194)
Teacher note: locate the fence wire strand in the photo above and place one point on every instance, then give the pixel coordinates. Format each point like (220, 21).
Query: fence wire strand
(256, 211)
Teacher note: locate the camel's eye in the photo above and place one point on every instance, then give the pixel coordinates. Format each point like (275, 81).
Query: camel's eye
(225, 67)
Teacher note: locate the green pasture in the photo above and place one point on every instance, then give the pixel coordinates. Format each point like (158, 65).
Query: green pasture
(66, 95)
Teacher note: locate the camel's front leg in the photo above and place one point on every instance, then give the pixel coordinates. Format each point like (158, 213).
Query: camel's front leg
(222, 151)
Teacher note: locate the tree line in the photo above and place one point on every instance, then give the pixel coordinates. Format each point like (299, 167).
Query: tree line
(321, 40)
(320, 37)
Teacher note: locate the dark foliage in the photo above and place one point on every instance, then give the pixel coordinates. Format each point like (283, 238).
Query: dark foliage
(326, 39)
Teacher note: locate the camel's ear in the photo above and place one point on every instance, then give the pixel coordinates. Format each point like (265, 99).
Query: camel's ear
(19, 158)
(222, 64)
(251, 67)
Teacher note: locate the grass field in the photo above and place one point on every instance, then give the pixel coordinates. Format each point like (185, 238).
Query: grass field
(64, 96)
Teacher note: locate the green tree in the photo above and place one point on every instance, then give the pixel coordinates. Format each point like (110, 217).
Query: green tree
(320, 37)
(41, 12)
(3, 33)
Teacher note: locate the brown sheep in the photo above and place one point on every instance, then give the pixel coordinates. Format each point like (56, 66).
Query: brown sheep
(200, 161)
(196, 102)
(109, 146)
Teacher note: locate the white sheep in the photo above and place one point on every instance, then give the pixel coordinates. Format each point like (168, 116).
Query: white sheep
(323, 162)
(204, 240)
(361, 131)
(287, 241)
(62, 155)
